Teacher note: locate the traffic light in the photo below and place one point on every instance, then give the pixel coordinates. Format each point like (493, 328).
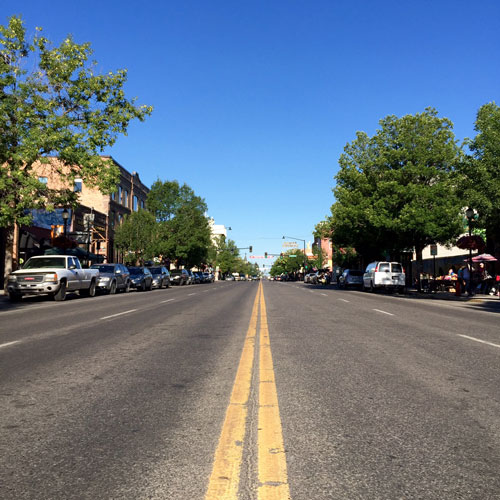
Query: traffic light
(250, 248)
(265, 255)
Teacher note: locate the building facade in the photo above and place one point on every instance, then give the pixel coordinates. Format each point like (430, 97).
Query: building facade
(90, 225)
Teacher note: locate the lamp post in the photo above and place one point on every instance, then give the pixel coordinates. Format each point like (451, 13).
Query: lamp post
(65, 216)
(469, 213)
(304, 241)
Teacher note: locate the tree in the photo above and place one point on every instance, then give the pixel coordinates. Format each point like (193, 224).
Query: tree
(165, 198)
(136, 236)
(183, 227)
(53, 102)
(479, 173)
(395, 191)
(224, 254)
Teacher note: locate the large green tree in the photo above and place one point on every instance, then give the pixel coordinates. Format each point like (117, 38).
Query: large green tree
(395, 190)
(479, 173)
(183, 226)
(54, 102)
(136, 236)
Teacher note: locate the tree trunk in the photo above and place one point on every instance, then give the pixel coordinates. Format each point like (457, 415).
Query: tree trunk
(9, 263)
(420, 266)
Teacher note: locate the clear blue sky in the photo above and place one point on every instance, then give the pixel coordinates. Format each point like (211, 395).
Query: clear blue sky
(254, 100)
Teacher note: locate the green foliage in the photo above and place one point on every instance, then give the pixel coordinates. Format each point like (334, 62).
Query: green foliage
(479, 173)
(290, 262)
(52, 102)
(184, 233)
(395, 190)
(137, 235)
(166, 198)
(224, 254)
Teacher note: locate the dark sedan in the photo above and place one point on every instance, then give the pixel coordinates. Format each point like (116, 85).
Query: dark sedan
(112, 277)
(161, 276)
(179, 277)
(141, 278)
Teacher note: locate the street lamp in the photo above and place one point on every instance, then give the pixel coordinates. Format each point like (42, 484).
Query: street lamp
(304, 241)
(469, 213)
(65, 216)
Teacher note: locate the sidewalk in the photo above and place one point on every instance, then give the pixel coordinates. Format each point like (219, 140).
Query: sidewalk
(451, 296)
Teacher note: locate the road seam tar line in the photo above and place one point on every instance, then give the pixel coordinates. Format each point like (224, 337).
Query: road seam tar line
(119, 314)
(478, 340)
(168, 300)
(344, 300)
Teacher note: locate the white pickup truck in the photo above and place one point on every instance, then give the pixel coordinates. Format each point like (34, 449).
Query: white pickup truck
(53, 275)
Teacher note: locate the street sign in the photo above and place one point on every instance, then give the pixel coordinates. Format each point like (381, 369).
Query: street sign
(290, 244)
(434, 250)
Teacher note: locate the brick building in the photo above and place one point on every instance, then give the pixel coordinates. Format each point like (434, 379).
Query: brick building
(91, 224)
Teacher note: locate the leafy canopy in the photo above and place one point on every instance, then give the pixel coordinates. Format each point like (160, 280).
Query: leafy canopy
(53, 102)
(395, 190)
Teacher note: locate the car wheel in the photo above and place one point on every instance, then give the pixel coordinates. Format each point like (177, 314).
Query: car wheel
(60, 295)
(143, 286)
(127, 287)
(371, 289)
(92, 290)
(150, 287)
(112, 288)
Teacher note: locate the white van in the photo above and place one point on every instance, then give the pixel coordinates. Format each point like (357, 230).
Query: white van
(388, 275)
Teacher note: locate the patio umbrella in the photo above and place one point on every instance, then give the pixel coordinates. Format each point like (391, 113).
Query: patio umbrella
(484, 257)
(473, 242)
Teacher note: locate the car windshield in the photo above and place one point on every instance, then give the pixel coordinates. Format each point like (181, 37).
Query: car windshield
(103, 268)
(176, 272)
(396, 268)
(156, 270)
(55, 262)
(135, 270)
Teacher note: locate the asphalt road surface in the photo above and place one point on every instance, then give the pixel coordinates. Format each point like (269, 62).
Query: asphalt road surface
(238, 390)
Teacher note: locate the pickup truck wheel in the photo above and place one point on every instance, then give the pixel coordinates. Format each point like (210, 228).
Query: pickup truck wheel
(90, 291)
(60, 295)
(15, 297)
(112, 288)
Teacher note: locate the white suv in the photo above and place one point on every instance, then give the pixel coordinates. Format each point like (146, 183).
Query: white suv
(388, 275)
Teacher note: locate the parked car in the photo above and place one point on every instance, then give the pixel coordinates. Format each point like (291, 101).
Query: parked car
(198, 276)
(351, 278)
(229, 277)
(192, 278)
(161, 276)
(53, 275)
(179, 277)
(112, 278)
(389, 275)
(141, 278)
(209, 277)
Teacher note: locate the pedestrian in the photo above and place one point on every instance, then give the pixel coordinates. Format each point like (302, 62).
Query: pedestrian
(467, 280)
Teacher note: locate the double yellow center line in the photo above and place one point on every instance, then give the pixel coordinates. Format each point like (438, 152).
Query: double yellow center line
(271, 467)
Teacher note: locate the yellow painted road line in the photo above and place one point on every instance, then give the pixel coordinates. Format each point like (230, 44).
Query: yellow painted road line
(272, 471)
(225, 477)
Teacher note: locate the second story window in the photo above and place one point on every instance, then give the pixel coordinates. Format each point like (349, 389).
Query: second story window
(112, 219)
(125, 198)
(135, 203)
(119, 194)
(113, 196)
(78, 186)
(142, 204)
